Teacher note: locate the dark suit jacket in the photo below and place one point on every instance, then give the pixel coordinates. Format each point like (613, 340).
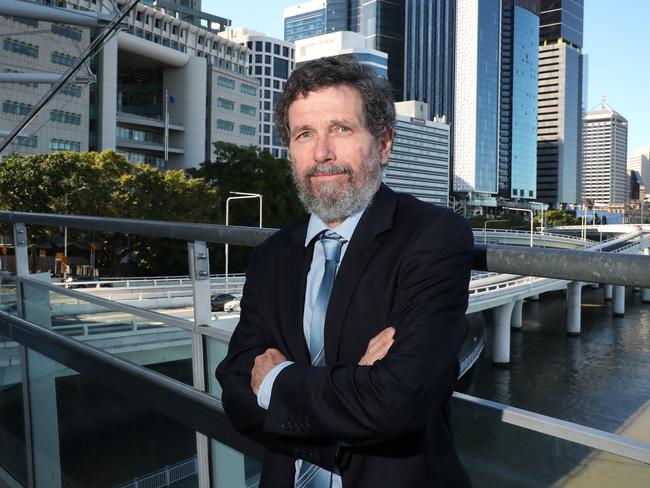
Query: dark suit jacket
(407, 265)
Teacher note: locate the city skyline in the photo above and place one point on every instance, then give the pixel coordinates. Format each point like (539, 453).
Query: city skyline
(613, 40)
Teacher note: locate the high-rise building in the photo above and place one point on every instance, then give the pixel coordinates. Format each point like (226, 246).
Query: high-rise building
(381, 22)
(476, 97)
(165, 91)
(271, 61)
(419, 161)
(338, 43)
(306, 19)
(605, 156)
(560, 102)
(429, 55)
(639, 163)
(518, 101)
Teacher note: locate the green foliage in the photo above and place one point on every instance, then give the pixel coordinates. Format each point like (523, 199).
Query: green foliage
(106, 184)
(557, 217)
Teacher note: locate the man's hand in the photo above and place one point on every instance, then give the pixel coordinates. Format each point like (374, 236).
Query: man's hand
(378, 347)
(264, 363)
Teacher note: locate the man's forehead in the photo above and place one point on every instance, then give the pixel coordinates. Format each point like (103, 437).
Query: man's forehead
(352, 99)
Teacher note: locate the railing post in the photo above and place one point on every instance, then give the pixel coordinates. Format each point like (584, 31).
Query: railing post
(200, 274)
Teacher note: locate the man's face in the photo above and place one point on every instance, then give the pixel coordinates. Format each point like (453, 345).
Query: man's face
(336, 160)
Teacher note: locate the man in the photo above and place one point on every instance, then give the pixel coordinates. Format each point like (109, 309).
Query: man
(345, 355)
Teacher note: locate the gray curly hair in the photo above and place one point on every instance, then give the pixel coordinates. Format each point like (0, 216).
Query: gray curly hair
(375, 91)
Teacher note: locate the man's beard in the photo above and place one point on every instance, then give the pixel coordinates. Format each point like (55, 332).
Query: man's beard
(334, 201)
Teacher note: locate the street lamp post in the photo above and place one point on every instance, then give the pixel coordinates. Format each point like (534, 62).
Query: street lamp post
(531, 219)
(240, 196)
(65, 232)
(485, 228)
(541, 218)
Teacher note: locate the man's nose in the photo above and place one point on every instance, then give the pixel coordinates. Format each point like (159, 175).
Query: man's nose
(324, 149)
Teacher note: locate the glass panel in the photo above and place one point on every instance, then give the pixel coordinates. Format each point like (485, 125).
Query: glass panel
(498, 454)
(13, 454)
(164, 348)
(102, 438)
(8, 302)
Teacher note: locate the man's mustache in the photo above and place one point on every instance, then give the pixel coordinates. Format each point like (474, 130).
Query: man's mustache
(328, 169)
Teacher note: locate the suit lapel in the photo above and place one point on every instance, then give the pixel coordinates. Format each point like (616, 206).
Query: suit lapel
(297, 262)
(377, 219)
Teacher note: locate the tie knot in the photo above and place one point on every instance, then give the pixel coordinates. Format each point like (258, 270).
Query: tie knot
(332, 243)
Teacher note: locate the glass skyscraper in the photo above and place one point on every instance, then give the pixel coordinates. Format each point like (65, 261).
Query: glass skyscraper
(429, 51)
(305, 20)
(518, 117)
(476, 106)
(560, 102)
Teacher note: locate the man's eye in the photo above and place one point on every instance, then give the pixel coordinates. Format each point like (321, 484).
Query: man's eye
(344, 129)
(303, 135)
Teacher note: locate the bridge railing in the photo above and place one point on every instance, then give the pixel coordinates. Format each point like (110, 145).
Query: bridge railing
(36, 357)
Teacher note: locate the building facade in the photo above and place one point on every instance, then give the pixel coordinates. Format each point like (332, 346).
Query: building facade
(639, 161)
(419, 161)
(560, 102)
(605, 157)
(165, 90)
(518, 99)
(339, 43)
(429, 55)
(271, 61)
(306, 19)
(476, 97)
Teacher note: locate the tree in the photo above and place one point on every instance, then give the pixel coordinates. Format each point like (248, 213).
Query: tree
(557, 217)
(106, 184)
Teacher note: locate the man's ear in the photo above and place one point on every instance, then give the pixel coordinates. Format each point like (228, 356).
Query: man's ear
(385, 146)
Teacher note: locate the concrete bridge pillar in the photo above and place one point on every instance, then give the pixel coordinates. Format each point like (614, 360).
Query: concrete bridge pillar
(645, 295)
(573, 301)
(517, 322)
(619, 301)
(501, 340)
(608, 292)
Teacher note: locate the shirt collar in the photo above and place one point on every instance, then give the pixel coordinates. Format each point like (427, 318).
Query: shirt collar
(345, 229)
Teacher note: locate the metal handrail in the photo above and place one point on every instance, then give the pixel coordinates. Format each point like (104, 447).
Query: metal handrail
(573, 265)
(527, 233)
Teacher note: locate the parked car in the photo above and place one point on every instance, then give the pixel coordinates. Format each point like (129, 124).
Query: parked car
(80, 282)
(218, 301)
(232, 306)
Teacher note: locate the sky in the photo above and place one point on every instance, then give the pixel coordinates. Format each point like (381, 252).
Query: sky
(615, 40)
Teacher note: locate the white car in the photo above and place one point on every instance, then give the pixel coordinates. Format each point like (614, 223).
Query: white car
(232, 306)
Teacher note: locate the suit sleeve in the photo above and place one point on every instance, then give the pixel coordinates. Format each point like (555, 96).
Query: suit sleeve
(234, 374)
(361, 404)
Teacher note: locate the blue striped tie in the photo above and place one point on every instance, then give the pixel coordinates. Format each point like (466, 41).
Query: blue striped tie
(312, 476)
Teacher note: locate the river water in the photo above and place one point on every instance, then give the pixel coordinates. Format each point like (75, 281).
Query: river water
(599, 379)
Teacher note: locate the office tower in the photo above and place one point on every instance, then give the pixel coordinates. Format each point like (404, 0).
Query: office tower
(518, 102)
(605, 156)
(305, 20)
(419, 161)
(381, 22)
(560, 102)
(165, 91)
(343, 42)
(189, 11)
(429, 55)
(271, 61)
(639, 161)
(476, 97)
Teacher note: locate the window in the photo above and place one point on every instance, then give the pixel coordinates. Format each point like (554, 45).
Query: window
(276, 49)
(267, 47)
(157, 23)
(247, 130)
(201, 40)
(267, 71)
(276, 84)
(225, 125)
(215, 45)
(259, 46)
(224, 103)
(65, 117)
(165, 26)
(248, 89)
(72, 91)
(285, 52)
(61, 58)
(267, 59)
(247, 109)
(138, 16)
(281, 68)
(20, 47)
(23, 20)
(174, 29)
(27, 141)
(16, 108)
(68, 32)
(225, 82)
(267, 82)
(258, 70)
(258, 58)
(229, 51)
(62, 145)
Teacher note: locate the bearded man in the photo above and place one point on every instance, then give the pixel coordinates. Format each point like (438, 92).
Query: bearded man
(345, 356)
